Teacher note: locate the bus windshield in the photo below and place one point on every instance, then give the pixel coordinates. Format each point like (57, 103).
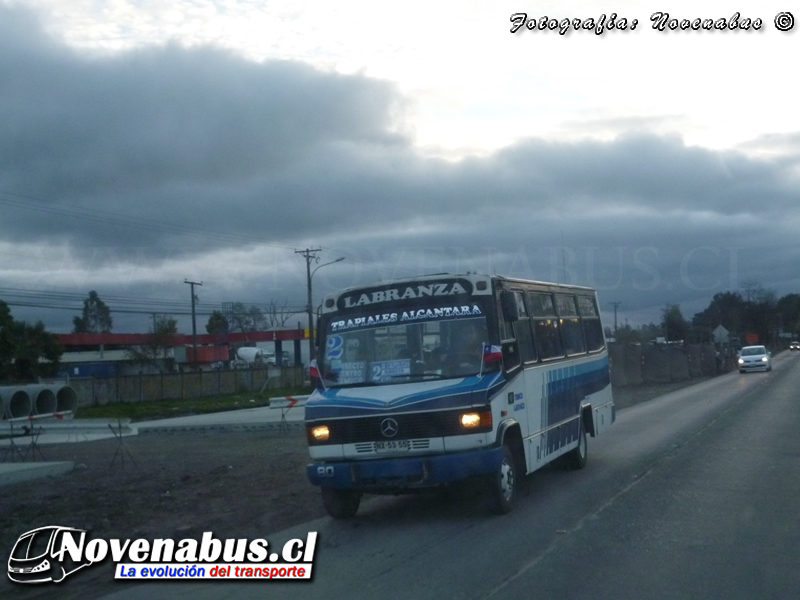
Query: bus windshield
(433, 344)
(35, 544)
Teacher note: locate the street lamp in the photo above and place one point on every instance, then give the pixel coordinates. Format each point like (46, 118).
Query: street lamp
(310, 274)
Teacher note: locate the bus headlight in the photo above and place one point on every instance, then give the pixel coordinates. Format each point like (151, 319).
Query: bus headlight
(319, 433)
(470, 420)
(475, 419)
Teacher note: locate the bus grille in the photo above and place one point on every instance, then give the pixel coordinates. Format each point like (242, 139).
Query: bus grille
(409, 426)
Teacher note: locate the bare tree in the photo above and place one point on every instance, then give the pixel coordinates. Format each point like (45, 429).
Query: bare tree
(155, 351)
(277, 316)
(252, 318)
(246, 318)
(754, 292)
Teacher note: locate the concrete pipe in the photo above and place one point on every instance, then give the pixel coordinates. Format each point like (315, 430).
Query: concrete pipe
(43, 398)
(66, 399)
(15, 402)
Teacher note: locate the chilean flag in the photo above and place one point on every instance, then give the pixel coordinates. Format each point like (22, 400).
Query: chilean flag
(313, 369)
(492, 353)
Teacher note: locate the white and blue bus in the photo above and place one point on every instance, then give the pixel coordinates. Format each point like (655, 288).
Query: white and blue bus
(429, 381)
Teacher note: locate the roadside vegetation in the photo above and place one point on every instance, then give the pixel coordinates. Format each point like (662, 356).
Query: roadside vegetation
(165, 409)
(755, 313)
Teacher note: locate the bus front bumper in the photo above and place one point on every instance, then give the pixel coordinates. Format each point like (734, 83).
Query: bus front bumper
(407, 473)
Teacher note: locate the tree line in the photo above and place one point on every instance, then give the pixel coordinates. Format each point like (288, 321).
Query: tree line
(22, 346)
(753, 312)
(29, 352)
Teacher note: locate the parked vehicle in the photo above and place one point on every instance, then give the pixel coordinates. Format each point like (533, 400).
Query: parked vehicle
(248, 356)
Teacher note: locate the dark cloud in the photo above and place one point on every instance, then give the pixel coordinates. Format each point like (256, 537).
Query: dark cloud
(165, 132)
(135, 161)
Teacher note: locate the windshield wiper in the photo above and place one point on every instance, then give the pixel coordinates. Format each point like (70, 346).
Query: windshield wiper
(431, 374)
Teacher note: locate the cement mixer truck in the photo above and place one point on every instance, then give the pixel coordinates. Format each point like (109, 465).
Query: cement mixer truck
(248, 356)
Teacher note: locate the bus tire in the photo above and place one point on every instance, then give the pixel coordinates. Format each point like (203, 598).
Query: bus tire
(576, 459)
(341, 504)
(502, 485)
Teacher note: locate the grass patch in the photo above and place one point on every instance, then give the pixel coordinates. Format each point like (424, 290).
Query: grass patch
(165, 409)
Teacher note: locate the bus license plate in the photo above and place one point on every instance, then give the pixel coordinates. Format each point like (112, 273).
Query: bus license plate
(393, 446)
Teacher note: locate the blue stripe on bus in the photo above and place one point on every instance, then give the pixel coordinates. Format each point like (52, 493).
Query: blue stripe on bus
(340, 402)
(566, 387)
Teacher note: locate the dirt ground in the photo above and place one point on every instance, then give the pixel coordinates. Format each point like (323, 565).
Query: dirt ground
(235, 484)
(177, 484)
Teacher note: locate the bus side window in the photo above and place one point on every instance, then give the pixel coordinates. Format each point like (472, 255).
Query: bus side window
(511, 358)
(503, 327)
(546, 326)
(592, 328)
(522, 329)
(570, 324)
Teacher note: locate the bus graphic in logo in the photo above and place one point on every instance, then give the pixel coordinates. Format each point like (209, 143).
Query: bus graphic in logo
(39, 557)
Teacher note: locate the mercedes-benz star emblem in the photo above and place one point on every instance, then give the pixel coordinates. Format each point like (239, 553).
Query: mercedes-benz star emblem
(389, 428)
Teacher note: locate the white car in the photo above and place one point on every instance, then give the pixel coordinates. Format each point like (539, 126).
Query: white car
(755, 358)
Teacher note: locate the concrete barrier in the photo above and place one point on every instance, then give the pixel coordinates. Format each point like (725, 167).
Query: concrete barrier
(633, 364)
(655, 367)
(695, 354)
(616, 359)
(709, 365)
(678, 363)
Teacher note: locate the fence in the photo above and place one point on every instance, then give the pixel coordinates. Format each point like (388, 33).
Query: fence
(94, 391)
(634, 364)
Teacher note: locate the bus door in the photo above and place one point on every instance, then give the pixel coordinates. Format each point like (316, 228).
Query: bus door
(526, 378)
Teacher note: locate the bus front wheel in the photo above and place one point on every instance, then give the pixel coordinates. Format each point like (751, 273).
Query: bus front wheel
(341, 504)
(503, 484)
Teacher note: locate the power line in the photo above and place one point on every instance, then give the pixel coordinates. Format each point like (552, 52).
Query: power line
(118, 304)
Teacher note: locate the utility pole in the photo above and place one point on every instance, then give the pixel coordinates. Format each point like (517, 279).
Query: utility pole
(310, 254)
(194, 323)
(615, 305)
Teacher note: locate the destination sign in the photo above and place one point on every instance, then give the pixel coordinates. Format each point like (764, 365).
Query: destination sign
(406, 292)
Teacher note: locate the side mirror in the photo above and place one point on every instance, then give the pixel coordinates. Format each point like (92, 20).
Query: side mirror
(508, 303)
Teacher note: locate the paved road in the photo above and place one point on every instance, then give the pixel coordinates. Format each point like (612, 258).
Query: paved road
(691, 495)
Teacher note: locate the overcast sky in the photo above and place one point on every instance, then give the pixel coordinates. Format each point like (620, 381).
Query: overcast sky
(143, 143)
